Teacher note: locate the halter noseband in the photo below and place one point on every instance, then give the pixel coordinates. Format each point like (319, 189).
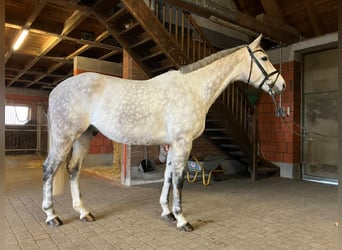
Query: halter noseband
(266, 75)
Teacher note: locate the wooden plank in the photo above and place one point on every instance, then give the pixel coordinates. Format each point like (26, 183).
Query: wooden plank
(284, 33)
(272, 9)
(73, 21)
(313, 18)
(151, 24)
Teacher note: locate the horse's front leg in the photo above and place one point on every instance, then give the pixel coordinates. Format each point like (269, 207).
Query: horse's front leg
(164, 197)
(177, 181)
(177, 156)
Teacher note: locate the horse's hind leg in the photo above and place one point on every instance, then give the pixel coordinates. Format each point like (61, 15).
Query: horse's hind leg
(80, 149)
(54, 160)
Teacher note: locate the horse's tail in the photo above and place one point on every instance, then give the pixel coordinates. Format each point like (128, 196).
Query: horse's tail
(60, 175)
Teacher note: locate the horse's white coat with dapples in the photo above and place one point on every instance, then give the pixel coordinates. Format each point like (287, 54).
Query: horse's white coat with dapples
(168, 109)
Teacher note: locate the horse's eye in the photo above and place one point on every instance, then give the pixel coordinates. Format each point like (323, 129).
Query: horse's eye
(264, 58)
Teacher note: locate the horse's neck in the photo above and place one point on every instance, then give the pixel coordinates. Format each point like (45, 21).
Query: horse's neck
(210, 81)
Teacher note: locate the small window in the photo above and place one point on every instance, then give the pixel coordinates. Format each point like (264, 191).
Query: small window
(17, 115)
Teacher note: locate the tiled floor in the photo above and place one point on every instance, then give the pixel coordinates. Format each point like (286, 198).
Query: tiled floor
(273, 213)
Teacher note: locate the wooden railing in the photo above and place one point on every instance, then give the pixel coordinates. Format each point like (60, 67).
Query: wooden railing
(31, 137)
(183, 28)
(240, 118)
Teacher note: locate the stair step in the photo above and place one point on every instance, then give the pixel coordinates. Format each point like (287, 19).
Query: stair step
(220, 138)
(158, 53)
(212, 120)
(267, 169)
(162, 68)
(131, 27)
(239, 154)
(117, 15)
(147, 39)
(230, 146)
(215, 129)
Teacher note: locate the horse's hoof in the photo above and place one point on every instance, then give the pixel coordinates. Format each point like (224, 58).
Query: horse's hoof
(187, 227)
(88, 218)
(55, 222)
(169, 217)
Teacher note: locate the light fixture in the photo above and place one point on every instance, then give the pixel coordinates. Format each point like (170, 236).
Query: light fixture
(20, 39)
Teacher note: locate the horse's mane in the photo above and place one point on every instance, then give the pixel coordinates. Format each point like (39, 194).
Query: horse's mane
(209, 59)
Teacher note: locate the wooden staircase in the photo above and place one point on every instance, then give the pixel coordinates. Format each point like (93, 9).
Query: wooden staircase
(141, 30)
(232, 127)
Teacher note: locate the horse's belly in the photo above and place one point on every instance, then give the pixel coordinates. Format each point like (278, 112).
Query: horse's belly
(133, 133)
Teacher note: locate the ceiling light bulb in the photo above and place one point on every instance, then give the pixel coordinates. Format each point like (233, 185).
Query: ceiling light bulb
(21, 39)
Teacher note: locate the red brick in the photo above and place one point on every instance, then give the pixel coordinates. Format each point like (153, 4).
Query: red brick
(276, 127)
(268, 107)
(278, 137)
(288, 137)
(99, 141)
(107, 142)
(277, 157)
(265, 136)
(93, 149)
(278, 147)
(293, 148)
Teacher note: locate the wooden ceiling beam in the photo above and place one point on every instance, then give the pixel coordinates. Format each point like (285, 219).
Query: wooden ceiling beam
(272, 9)
(37, 8)
(73, 21)
(281, 33)
(312, 17)
(34, 61)
(95, 43)
(69, 57)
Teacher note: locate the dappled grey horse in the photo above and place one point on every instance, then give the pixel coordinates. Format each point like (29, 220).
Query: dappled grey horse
(168, 109)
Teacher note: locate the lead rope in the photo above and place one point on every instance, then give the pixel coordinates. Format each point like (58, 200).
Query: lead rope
(298, 125)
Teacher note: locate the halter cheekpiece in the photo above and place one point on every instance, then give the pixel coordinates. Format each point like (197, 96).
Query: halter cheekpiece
(266, 75)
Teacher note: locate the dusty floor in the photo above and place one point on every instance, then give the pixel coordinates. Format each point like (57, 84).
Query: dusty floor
(273, 213)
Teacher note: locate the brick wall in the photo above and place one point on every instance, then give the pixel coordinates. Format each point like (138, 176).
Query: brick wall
(277, 140)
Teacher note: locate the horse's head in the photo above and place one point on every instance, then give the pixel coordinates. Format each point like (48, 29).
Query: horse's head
(262, 73)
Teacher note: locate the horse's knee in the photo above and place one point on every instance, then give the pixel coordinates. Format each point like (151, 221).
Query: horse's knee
(47, 172)
(73, 171)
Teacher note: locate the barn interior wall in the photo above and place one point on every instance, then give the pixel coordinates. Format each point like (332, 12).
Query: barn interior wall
(280, 142)
(31, 138)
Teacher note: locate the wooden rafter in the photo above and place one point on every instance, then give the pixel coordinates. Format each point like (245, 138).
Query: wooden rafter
(282, 33)
(312, 17)
(272, 9)
(37, 8)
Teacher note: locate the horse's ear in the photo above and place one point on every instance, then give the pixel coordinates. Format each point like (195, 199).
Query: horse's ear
(256, 42)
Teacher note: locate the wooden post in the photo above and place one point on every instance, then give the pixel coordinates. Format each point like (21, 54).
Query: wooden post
(117, 157)
(254, 145)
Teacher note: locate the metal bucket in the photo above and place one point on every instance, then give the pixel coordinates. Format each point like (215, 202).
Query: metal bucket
(146, 165)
